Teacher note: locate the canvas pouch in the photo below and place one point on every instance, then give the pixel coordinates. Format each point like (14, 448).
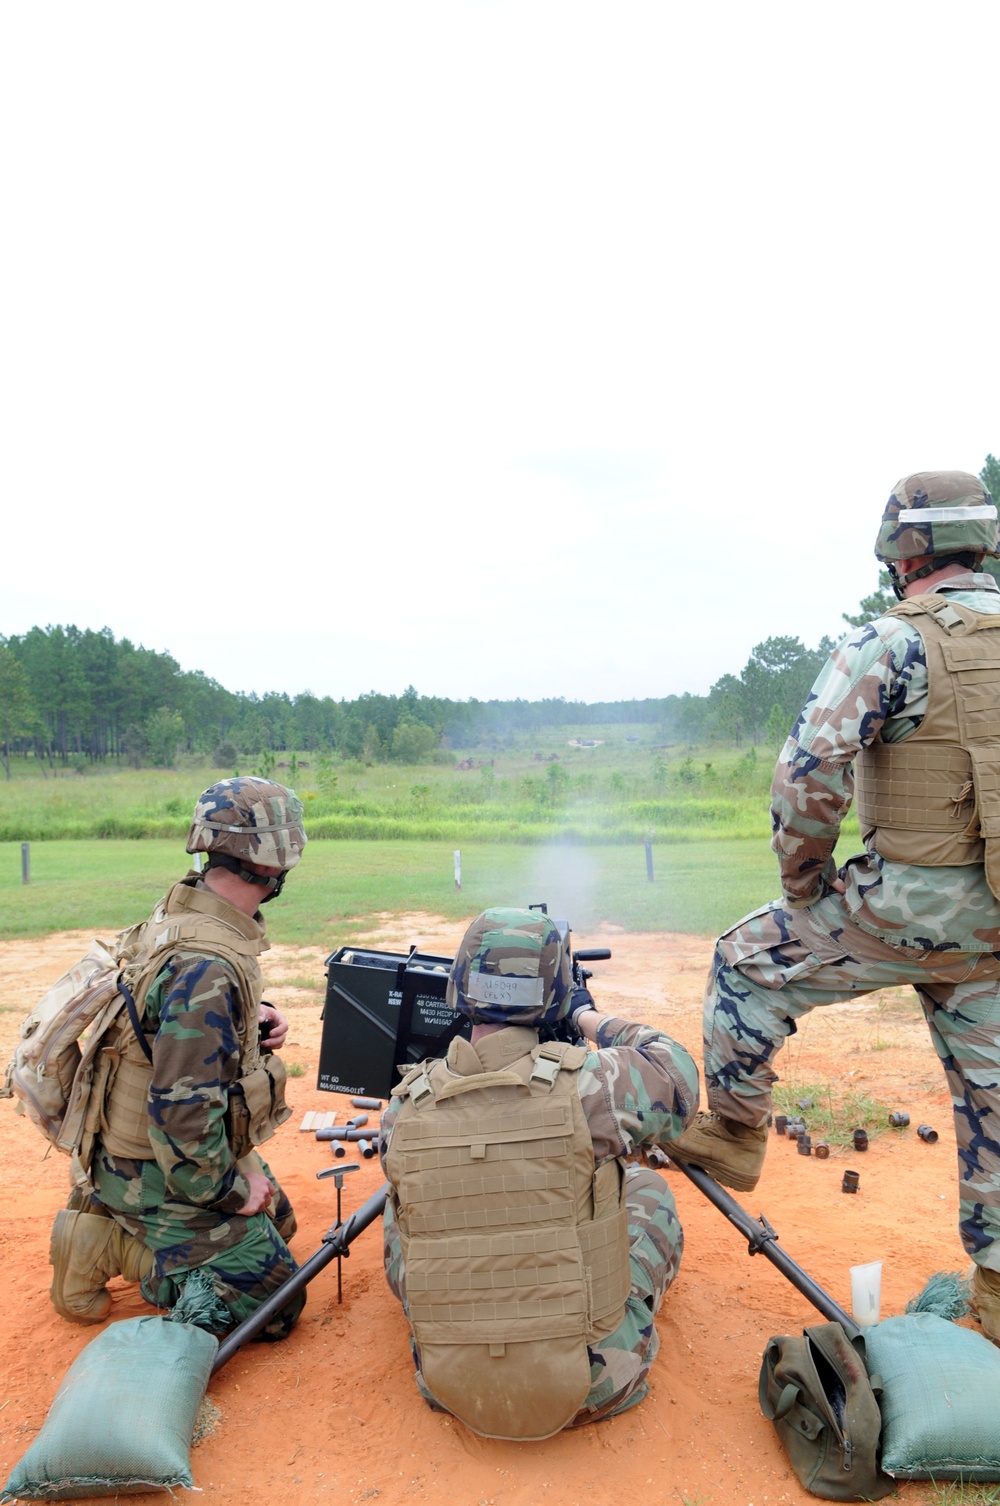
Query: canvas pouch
(816, 1390)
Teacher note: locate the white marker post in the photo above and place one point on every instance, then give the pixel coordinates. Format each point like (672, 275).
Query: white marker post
(458, 869)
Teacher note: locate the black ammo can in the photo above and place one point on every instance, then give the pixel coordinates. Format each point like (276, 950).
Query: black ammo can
(383, 1009)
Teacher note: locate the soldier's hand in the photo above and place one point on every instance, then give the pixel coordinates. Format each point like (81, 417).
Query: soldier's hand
(584, 1014)
(275, 1027)
(261, 1193)
(581, 1001)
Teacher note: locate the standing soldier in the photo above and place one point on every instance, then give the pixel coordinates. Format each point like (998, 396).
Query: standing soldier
(529, 1259)
(912, 701)
(168, 1181)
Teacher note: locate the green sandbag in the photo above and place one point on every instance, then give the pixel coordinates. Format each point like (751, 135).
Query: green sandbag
(122, 1420)
(940, 1398)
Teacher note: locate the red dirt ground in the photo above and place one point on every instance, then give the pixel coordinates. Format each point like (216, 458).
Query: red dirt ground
(332, 1414)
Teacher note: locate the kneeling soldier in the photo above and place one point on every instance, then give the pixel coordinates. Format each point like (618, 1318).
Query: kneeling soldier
(168, 1180)
(530, 1260)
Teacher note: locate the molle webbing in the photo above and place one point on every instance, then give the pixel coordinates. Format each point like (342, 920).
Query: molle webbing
(123, 1123)
(192, 920)
(934, 798)
(515, 1249)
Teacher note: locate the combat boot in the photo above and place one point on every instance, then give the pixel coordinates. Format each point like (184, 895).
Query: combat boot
(731, 1152)
(985, 1301)
(84, 1251)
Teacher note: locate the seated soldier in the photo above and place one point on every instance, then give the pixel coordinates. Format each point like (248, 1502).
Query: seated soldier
(529, 1259)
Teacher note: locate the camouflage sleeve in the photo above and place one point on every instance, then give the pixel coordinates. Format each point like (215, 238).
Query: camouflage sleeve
(874, 682)
(196, 1058)
(638, 1088)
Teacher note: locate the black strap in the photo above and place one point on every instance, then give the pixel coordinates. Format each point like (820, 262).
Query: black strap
(133, 1015)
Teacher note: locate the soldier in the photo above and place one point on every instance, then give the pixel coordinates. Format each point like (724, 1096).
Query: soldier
(530, 1261)
(168, 1181)
(912, 700)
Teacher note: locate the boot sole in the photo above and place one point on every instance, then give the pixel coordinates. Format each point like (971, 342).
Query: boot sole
(68, 1216)
(718, 1172)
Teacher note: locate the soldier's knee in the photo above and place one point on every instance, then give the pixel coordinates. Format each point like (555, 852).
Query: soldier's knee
(643, 1180)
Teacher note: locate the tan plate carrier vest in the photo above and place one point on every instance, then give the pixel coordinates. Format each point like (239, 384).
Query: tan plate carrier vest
(515, 1250)
(189, 919)
(934, 798)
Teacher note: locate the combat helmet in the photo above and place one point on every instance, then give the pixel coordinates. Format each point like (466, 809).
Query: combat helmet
(941, 514)
(511, 969)
(240, 821)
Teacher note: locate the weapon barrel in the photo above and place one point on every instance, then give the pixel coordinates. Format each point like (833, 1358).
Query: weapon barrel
(335, 1242)
(762, 1240)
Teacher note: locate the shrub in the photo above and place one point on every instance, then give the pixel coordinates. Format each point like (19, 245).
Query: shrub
(326, 776)
(412, 741)
(164, 730)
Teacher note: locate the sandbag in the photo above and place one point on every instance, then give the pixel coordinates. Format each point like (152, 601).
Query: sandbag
(121, 1422)
(940, 1398)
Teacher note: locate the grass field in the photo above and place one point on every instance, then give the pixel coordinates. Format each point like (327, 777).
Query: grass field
(545, 820)
(615, 791)
(618, 791)
(699, 887)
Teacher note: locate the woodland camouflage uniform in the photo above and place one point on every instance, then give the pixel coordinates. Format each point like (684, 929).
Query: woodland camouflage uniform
(182, 1204)
(176, 1180)
(936, 927)
(636, 1087)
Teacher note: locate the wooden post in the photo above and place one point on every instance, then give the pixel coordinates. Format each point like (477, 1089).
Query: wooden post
(458, 869)
(25, 862)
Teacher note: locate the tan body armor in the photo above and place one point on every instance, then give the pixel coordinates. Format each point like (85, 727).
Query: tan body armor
(515, 1249)
(934, 798)
(189, 919)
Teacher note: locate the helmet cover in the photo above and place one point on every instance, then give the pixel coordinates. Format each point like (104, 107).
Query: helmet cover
(959, 516)
(255, 820)
(511, 969)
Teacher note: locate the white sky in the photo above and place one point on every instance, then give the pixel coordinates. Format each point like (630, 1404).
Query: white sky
(501, 348)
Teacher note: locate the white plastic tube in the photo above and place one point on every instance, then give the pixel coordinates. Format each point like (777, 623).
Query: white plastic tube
(866, 1293)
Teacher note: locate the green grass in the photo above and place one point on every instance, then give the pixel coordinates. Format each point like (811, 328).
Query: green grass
(538, 821)
(963, 1495)
(834, 1115)
(700, 888)
(542, 791)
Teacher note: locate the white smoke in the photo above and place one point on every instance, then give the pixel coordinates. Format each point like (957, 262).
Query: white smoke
(565, 876)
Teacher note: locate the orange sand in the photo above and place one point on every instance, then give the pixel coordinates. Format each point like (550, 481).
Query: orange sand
(332, 1415)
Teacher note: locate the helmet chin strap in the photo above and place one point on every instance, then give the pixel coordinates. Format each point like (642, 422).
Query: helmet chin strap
(897, 581)
(272, 884)
(900, 582)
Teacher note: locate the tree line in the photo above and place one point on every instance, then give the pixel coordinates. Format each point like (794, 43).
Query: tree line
(78, 696)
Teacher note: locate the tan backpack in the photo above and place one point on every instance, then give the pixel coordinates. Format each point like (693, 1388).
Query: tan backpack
(50, 1073)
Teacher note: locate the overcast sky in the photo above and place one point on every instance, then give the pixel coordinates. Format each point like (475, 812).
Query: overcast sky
(501, 348)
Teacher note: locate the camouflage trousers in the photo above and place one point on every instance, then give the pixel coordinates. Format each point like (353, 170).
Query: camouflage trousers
(777, 964)
(620, 1363)
(247, 1258)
